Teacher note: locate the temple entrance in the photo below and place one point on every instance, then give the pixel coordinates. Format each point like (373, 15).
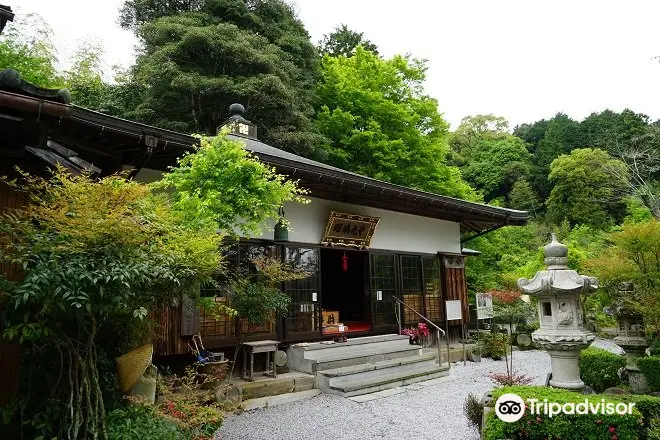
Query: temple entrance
(345, 299)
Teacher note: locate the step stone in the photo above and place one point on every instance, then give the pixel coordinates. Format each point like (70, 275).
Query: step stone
(367, 386)
(354, 369)
(376, 357)
(351, 341)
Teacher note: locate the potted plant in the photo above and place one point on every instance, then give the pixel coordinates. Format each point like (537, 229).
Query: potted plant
(416, 334)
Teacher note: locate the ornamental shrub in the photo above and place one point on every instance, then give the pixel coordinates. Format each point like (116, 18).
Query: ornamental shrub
(138, 421)
(653, 432)
(598, 368)
(650, 366)
(494, 345)
(563, 426)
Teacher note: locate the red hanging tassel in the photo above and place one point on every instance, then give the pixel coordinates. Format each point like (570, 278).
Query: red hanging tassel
(344, 263)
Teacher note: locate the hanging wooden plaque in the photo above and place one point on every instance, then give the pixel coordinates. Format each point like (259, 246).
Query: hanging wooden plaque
(349, 230)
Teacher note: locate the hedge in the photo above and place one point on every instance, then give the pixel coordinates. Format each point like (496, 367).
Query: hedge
(650, 366)
(649, 407)
(564, 426)
(599, 368)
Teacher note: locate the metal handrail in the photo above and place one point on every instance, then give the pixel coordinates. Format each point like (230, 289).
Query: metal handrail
(438, 329)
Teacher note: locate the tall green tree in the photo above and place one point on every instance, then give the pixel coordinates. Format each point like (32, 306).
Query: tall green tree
(523, 197)
(532, 133)
(562, 135)
(496, 164)
(381, 124)
(583, 191)
(612, 131)
(343, 42)
(472, 130)
(198, 57)
(26, 46)
(490, 158)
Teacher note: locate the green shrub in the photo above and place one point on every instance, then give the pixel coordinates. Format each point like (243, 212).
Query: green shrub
(494, 345)
(648, 406)
(654, 347)
(653, 432)
(474, 411)
(139, 422)
(563, 426)
(650, 366)
(598, 368)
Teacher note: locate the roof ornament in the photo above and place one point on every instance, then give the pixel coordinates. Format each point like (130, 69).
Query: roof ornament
(237, 124)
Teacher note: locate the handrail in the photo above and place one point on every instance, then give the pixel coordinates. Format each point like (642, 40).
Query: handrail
(437, 329)
(419, 314)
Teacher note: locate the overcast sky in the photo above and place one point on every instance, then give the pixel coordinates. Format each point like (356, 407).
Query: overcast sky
(521, 59)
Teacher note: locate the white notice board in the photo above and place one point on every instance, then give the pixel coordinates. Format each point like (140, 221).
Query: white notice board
(484, 303)
(453, 309)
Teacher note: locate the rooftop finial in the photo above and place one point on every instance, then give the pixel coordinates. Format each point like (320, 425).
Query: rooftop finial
(556, 254)
(237, 109)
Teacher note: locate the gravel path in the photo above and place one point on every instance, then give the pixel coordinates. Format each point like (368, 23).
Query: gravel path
(432, 411)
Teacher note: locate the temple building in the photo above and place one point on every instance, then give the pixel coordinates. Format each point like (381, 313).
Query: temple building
(362, 241)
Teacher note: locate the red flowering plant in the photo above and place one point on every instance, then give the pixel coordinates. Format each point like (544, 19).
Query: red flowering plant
(190, 406)
(421, 330)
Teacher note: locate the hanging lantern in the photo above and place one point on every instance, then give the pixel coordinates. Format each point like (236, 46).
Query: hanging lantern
(281, 231)
(344, 262)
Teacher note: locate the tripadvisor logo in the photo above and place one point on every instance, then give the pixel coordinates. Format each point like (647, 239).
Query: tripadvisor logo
(511, 407)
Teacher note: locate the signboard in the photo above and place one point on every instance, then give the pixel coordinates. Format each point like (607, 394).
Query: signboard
(189, 316)
(453, 310)
(484, 303)
(349, 230)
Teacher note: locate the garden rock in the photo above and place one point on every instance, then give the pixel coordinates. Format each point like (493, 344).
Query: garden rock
(655, 394)
(487, 399)
(588, 390)
(623, 373)
(615, 390)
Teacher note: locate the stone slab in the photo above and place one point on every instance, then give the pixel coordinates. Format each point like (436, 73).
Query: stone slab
(265, 402)
(378, 395)
(254, 390)
(304, 383)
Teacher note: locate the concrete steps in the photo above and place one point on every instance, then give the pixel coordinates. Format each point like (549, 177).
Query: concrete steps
(365, 365)
(317, 357)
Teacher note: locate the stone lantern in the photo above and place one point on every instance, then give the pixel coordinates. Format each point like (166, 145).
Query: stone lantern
(631, 336)
(561, 331)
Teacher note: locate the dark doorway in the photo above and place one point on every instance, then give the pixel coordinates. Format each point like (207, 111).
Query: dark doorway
(345, 291)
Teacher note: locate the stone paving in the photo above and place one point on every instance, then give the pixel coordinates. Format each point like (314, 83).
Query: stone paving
(427, 410)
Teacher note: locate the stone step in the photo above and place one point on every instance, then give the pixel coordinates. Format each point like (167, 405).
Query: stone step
(350, 341)
(356, 369)
(340, 376)
(387, 381)
(265, 402)
(349, 351)
(349, 355)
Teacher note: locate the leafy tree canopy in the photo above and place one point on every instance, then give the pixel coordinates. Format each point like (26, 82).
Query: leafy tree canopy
(583, 192)
(523, 197)
(472, 130)
(222, 181)
(496, 163)
(380, 123)
(343, 42)
(199, 57)
(30, 52)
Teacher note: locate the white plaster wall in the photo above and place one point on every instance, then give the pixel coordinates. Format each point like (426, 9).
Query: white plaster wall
(396, 231)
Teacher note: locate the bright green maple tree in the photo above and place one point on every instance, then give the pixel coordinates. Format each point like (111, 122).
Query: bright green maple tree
(382, 125)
